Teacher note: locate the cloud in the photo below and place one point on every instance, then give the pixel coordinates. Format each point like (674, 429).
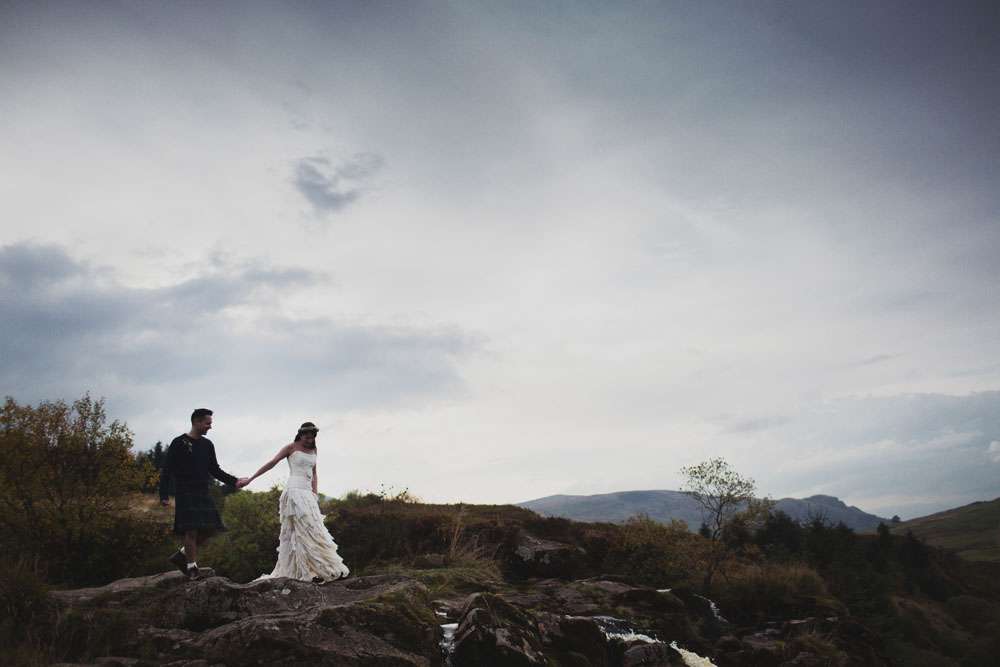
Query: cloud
(876, 359)
(734, 215)
(872, 449)
(751, 424)
(330, 188)
(70, 327)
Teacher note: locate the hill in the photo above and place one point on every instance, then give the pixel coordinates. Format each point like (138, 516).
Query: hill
(972, 531)
(663, 506)
(469, 585)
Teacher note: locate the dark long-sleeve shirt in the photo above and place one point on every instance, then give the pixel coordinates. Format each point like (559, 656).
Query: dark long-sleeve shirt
(191, 463)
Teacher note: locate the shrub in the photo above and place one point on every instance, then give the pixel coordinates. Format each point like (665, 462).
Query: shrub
(26, 615)
(760, 592)
(65, 477)
(249, 547)
(655, 554)
(780, 537)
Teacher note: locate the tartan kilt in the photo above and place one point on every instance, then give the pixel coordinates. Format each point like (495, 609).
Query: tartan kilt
(195, 510)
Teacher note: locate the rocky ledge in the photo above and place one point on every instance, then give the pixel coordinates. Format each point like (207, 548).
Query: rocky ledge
(168, 620)
(393, 620)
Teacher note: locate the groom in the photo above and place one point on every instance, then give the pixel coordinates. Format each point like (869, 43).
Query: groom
(190, 460)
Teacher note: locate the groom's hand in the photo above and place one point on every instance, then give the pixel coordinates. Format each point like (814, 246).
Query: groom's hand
(165, 502)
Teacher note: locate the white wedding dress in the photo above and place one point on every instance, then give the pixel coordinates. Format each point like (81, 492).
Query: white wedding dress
(306, 549)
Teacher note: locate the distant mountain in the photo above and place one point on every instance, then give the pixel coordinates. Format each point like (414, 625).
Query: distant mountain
(666, 505)
(831, 509)
(618, 507)
(971, 530)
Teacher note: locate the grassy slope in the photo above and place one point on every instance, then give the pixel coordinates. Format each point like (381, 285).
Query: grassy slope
(148, 505)
(973, 531)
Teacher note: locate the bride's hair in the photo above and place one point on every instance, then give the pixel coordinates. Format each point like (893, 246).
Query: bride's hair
(307, 427)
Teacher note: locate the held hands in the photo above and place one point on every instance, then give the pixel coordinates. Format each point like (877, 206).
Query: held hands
(242, 481)
(165, 502)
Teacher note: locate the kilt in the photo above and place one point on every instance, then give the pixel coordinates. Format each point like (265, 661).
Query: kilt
(195, 510)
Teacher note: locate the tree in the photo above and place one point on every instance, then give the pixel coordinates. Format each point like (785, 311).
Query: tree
(723, 495)
(720, 491)
(149, 464)
(780, 536)
(65, 476)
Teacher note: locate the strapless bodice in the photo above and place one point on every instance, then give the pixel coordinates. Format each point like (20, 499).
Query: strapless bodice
(300, 470)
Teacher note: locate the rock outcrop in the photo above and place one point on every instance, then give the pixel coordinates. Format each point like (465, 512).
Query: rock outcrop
(535, 557)
(494, 633)
(166, 619)
(392, 620)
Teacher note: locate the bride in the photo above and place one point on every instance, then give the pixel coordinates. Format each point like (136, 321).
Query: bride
(305, 551)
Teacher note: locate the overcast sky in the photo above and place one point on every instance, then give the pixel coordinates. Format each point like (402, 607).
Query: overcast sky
(505, 250)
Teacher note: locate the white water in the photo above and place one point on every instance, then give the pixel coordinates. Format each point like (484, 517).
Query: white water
(613, 628)
(448, 641)
(691, 659)
(616, 628)
(714, 607)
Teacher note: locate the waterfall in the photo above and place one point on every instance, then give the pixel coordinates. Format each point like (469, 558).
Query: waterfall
(691, 659)
(714, 607)
(448, 641)
(616, 628)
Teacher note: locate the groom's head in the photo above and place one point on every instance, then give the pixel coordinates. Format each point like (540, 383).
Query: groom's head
(201, 421)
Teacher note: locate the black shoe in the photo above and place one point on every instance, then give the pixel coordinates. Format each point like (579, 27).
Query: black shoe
(192, 573)
(181, 561)
(319, 580)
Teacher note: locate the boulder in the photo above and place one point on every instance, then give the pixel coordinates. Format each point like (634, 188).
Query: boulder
(493, 632)
(534, 557)
(659, 612)
(656, 654)
(166, 619)
(575, 640)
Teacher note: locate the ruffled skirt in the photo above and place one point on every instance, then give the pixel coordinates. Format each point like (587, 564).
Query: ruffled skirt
(306, 549)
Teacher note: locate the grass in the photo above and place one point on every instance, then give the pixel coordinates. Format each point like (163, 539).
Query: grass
(758, 592)
(450, 581)
(972, 531)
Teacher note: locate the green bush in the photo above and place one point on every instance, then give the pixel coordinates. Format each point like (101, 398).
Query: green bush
(249, 547)
(27, 613)
(767, 591)
(66, 477)
(655, 554)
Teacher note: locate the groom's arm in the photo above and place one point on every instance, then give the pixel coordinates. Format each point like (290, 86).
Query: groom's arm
(165, 474)
(217, 472)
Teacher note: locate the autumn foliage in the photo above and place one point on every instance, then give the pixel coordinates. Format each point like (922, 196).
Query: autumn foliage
(66, 474)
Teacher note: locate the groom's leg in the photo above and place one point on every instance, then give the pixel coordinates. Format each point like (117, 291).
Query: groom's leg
(191, 545)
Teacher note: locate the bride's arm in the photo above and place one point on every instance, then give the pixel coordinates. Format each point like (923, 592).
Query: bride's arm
(315, 480)
(282, 453)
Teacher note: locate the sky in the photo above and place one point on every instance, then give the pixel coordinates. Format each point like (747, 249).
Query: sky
(503, 250)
